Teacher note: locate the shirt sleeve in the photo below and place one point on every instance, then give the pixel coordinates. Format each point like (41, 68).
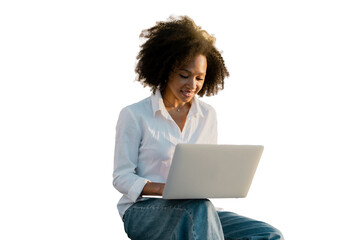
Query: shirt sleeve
(127, 143)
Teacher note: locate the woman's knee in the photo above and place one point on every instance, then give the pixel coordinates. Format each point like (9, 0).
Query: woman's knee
(269, 231)
(240, 227)
(275, 233)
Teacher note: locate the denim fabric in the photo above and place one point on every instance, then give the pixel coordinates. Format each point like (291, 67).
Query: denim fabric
(195, 219)
(236, 227)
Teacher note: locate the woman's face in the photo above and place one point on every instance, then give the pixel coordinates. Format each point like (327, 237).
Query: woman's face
(186, 81)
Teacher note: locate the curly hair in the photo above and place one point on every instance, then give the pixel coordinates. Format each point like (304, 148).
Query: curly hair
(172, 43)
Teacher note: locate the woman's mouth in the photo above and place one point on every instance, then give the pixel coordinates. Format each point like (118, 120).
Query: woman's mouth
(187, 94)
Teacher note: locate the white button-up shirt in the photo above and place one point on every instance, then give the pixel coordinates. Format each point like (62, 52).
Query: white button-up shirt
(146, 137)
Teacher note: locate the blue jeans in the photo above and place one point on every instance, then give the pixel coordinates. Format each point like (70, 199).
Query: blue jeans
(157, 219)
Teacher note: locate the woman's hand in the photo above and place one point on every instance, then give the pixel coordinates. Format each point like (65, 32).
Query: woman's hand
(153, 188)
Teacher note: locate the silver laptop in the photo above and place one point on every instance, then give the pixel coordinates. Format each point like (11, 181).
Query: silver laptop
(212, 171)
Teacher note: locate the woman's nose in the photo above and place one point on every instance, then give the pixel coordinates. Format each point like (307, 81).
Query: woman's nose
(192, 82)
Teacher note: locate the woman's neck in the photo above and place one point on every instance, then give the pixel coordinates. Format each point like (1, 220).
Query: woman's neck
(171, 102)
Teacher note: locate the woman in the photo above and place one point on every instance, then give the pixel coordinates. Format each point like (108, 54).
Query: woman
(177, 61)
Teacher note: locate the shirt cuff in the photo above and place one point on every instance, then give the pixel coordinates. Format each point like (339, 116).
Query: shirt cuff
(137, 188)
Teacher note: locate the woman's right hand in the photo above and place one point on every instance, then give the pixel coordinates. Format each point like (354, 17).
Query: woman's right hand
(153, 188)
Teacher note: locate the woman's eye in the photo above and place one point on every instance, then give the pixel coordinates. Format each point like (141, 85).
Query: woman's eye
(183, 76)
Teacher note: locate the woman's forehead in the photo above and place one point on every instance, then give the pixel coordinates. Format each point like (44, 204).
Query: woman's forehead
(196, 64)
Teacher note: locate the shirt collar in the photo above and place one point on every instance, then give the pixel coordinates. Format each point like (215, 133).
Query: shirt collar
(158, 106)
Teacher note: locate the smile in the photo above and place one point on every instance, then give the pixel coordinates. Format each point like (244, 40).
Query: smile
(187, 93)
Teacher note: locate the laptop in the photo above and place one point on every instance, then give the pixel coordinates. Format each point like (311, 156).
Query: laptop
(212, 171)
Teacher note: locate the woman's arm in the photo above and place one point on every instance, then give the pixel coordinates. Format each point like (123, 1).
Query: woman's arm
(128, 138)
(152, 188)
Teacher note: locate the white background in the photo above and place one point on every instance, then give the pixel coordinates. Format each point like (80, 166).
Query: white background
(67, 69)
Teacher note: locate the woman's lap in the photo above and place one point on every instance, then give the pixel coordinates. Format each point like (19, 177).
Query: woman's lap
(191, 219)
